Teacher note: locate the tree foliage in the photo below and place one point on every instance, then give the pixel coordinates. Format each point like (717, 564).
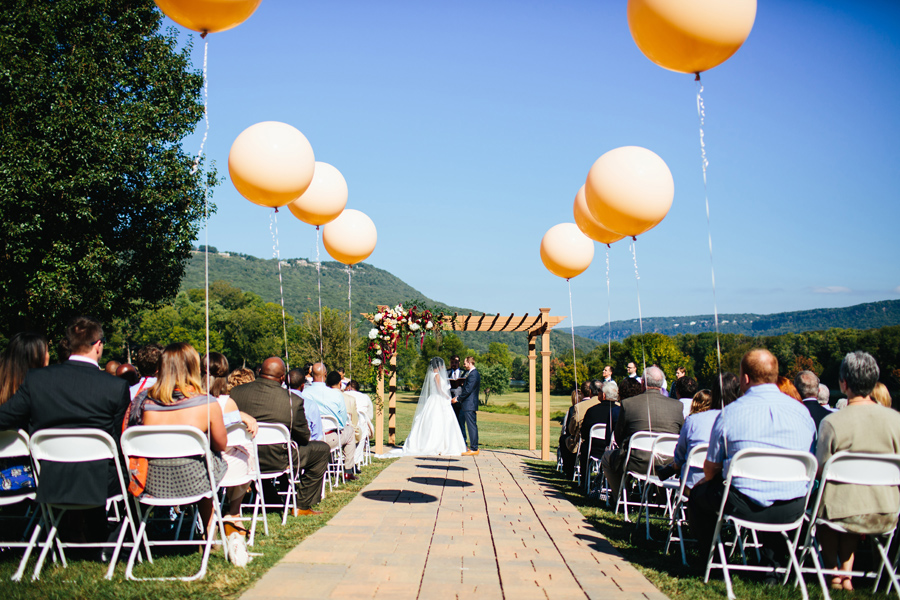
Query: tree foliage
(98, 201)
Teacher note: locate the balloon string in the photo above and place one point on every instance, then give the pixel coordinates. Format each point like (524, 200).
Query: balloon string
(350, 317)
(194, 168)
(608, 310)
(704, 163)
(319, 277)
(572, 323)
(205, 109)
(637, 280)
(276, 251)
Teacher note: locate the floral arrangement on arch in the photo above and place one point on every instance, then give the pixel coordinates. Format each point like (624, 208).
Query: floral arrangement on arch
(392, 324)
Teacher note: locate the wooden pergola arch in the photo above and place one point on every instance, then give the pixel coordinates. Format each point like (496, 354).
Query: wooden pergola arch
(539, 325)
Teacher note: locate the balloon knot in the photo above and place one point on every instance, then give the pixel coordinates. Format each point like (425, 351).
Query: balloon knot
(634, 238)
(697, 76)
(608, 246)
(276, 209)
(203, 34)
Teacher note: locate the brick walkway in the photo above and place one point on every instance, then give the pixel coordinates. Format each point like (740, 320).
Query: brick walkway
(469, 527)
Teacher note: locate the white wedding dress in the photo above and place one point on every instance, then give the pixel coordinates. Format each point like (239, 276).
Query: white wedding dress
(435, 429)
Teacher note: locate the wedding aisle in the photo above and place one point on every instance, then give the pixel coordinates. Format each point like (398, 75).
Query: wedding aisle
(479, 527)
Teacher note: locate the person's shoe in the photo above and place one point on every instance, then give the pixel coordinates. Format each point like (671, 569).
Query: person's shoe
(350, 477)
(237, 550)
(470, 453)
(306, 512)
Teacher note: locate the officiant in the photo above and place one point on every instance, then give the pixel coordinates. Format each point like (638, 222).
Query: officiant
(455, 375)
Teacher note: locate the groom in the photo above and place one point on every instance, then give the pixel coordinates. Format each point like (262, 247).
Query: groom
(468, 405)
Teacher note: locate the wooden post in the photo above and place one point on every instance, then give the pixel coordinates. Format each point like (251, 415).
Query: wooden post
(545, 387)
(392, 404)
(532, 396)
(379, 415)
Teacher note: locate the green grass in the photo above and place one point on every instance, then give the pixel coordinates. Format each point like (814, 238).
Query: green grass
(84, 579)
(667, 572)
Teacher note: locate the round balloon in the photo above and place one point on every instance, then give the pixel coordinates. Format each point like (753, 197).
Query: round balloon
(565, 251)
(629, 190)
(208, 16)
(690, 36)
(325, 198)
(351, 237)
(271, 163)
(589, 225)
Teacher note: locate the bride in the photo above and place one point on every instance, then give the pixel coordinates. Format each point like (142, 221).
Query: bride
(435, 428)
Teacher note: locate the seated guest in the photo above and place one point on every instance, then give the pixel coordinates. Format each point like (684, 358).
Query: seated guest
(178, 398)
(146, 359)
(604, 412)
(698, 426)
(762, 418)
(112, 366)
(363, 404)
(331, 402)
(334, 381)
(881, 395)
(268, 402)
(824, 396)
(129, 373)
(240, 376)
(807, 384)
(650, 411)
(863, 426)
(296, 379)
(26, 351)
(590, 397)
(567, 456)
(786, 387)
(685, 388)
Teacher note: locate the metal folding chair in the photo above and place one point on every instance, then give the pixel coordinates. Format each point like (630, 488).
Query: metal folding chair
(239, 436)
(640, 441)
(273, 434)
(14, 444)
(663, 449)
(678, 516)
(598, 432)
(334, 474)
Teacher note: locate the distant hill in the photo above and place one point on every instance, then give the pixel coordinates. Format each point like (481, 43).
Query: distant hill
(871, 315)
(371, 287)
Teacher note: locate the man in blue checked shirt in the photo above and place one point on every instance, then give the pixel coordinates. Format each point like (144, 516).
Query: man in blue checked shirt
(762, 417)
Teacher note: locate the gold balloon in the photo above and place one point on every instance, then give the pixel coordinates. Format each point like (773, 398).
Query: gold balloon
(588, 225)
(271, 163)
(629, 190)
(565, 251)
(690, 36)
(351, 237)
(325, 198)
(208, 16)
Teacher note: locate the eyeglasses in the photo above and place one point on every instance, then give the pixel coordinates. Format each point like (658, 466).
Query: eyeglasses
(100, 341)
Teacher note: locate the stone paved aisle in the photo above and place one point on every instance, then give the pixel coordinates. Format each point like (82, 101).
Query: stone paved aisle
(468, 527)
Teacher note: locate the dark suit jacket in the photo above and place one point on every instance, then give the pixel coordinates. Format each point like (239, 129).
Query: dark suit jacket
(650, 411)
(603, 412)
(267, 402)
(816, 411)
(74, 394)
(468, 397)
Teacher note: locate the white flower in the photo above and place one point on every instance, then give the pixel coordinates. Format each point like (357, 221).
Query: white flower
(373, 333)
(376, 362)
(378, 317)
(429, 325)
(413, 326)
(378, 352)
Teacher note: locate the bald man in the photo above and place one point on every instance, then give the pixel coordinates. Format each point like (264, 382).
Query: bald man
(762, 418)
(268, 402)
(331, 404)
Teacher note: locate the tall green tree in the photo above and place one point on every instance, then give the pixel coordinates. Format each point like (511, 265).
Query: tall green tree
(99, 203)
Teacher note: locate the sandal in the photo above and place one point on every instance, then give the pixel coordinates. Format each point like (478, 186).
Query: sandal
(232, 527)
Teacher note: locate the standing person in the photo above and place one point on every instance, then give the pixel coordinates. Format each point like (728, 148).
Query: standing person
(455, 375)
(468, 405)
(632, 372)
(268, 402)
(75, 394)
(607, 374)
(435, 430)
(679, 373)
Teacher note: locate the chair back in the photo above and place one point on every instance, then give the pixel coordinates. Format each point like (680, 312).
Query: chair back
(72, 446)
(862, 469)
(598, 431)
(664, 446)
(239, 436)
(164, 441)
(272, 433)
(697, 457)
(770, 464)
(13, 443)
(642, 440)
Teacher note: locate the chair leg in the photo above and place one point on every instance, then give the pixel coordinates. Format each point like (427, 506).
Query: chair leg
(17, 576)
(51, 538)
(890, 571)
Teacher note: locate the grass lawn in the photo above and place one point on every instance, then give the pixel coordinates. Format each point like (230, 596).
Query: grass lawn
(666, 572)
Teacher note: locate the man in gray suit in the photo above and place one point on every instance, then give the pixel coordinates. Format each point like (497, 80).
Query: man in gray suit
(650, 411)
(468, 405)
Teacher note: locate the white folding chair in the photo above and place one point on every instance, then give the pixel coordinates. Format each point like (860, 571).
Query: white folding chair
(640, 441)
(662, 450)
(172, 441)
(853, 469)
(598, 432)
(74, 446)
(239, 436)
(361, 458)
(678, 516)
(273, 434)
(772, 465)
(335, 471)
(14, 444)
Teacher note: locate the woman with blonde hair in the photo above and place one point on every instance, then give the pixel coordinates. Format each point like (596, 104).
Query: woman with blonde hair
(881, 395)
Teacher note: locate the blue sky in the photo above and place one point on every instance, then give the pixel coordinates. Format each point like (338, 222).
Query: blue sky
(465, 129)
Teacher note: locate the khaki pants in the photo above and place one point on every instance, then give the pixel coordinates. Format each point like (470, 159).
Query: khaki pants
(346, 441)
